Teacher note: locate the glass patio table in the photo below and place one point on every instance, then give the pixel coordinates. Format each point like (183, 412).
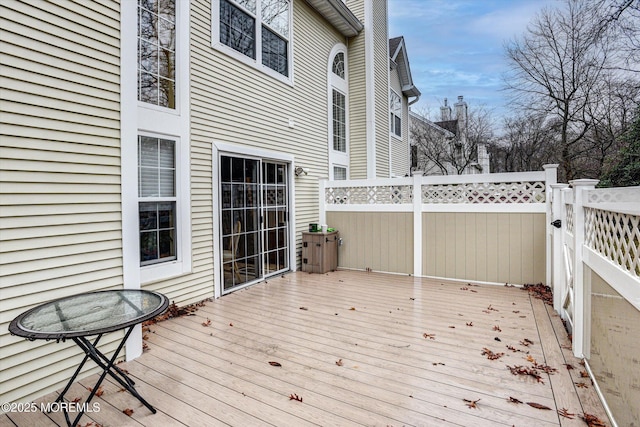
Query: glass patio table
(92, 314)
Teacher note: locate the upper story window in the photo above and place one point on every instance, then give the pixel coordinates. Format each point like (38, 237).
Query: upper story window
(259, 30)
(395, 108)
(157, 52)
(338, 65)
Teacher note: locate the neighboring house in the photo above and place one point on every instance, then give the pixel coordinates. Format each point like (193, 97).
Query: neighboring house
(444, 147)
(177, 146)
(400, 90)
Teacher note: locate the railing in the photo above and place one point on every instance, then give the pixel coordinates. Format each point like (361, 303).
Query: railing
(596, 281)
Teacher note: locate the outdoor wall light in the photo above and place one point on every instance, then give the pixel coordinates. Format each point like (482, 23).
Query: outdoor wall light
(299, 171)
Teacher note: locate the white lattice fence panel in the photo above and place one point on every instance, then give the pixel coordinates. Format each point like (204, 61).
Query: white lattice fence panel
(367, 195)
(613, 195)
(485, 192)
(616, 236)
(568, 214)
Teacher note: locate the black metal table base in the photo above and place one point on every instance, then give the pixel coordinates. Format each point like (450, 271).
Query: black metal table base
(108, 367)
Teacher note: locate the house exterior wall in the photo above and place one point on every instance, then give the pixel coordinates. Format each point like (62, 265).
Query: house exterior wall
(486, 247)
(399, 147)
(615, 328)
(60, 183)
(381, 87)
(357, 97)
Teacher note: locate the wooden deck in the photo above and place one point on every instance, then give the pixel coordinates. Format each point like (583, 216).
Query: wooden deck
(358, 349)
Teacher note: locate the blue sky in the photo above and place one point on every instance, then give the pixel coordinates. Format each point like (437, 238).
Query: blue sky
(455, 47)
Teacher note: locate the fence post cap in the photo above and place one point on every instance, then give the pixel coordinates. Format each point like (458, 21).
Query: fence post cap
(559, 185)
(551, 166)
(583, 182)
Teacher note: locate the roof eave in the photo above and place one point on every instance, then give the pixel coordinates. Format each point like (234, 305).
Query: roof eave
(338, 15)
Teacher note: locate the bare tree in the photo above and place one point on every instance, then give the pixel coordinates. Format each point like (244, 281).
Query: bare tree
(555, 68)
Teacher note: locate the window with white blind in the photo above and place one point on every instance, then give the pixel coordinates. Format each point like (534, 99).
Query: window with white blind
(395, 108)
(157, 199)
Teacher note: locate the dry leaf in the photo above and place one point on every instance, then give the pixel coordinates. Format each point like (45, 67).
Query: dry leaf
(438, 363)
(564, 412)
(469, 323)
(99, 391)
(464, 289)
(497, 328)
(293, 396)
(304, 308)
(581, 385)
(568, 366)
(584, 374)
(339, 362)
(526, 342)
(592, 420)
(491, 355)
(514, 400)
(530, 359)
(522, 370)
(352, 308)
(275, 364)
(538, 406)
(452, 327)
(230, 324)
(128, 411)
(471, 403)
(491, 308)
(76, 400)
(145, 337)
(207, 323)
(430, 336)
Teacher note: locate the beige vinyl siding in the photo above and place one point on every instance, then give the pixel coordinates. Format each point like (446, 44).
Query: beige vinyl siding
(357, 98)
(381, 87)
(379, 241)
(615, 328)
(400, 161)
(60, 221)
(234, 103)
(486, 247)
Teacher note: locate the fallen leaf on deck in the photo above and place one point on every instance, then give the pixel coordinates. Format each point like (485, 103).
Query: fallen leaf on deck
(339, 362)
(471, 403)
(491, 355)
(438, 363)
(497, 339)
(230, 324)
(538, 406)
(452, 327)
(584, 374)
(464, 289)
(568, 366)
(526, 342)
(497, 328)
(412, 299)
(128, 411)
(514, 400)
(293, 396)
(523, 370)
(352, 308)
(491, 308)
(516, 311)
(581, 385)
(304, 308)
(430, 336)
(99, 391)
(145, 347)
(531, 359)
(545, 368)
(76, 400)
(275, 364)
(207, 323)
(469, 323)
(145, 337)
(592, 420)
(565, 413)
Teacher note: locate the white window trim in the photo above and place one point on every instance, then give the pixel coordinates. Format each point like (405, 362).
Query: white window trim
(392, 132)
(254, 63)
(139, 118)
(338, 158)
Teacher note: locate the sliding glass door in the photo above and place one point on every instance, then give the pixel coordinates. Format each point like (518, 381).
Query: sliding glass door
(254, 220)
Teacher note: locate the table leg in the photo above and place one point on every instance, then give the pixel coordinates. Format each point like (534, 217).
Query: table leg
(75, 374)
(107, 368)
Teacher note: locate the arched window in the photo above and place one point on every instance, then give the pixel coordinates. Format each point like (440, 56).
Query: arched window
(338, 117)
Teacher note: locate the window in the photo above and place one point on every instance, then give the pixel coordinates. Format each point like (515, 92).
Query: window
(395, 107)
(339, 173)
(339, 122)
(157, 201)
(338, 104)
(157, 52)
(257, 29)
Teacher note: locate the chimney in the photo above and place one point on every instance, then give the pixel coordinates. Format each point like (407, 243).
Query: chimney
(445, 111)
(461, 110)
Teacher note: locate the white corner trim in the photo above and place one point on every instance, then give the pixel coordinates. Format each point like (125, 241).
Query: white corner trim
(369, 58)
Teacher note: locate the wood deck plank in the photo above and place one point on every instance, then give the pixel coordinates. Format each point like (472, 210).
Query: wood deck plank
(390, 373)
